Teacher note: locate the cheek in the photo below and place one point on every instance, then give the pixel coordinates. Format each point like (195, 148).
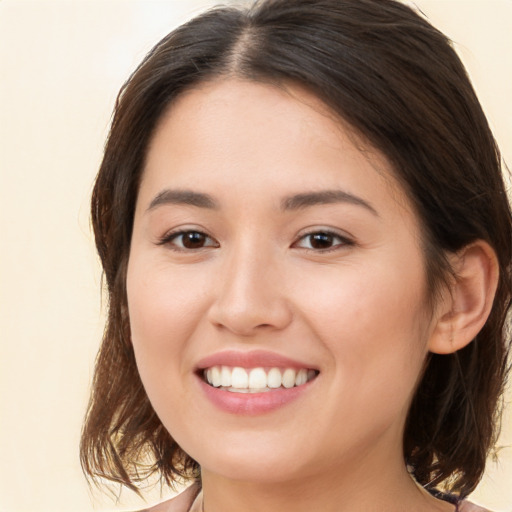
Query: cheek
(361, 299)
(373, 324)
(164, 309)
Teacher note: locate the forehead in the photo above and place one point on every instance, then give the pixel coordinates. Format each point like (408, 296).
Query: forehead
(237, 131)
(228, 104)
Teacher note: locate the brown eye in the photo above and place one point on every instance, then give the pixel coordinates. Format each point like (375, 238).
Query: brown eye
(190, 240)
(193, 240)
(322, 241)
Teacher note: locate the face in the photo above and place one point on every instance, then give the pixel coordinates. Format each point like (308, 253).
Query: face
(276, 286)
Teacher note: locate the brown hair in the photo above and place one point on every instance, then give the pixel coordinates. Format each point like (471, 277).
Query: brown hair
(398, 82)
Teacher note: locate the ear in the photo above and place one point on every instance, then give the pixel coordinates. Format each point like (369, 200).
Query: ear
(468, 300)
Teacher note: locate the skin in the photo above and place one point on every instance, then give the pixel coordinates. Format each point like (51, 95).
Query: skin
(358, 312)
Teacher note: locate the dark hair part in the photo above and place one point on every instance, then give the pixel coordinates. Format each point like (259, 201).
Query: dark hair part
(398, 82)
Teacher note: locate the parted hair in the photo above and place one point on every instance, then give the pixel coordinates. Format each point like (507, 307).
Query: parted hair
(398, 82)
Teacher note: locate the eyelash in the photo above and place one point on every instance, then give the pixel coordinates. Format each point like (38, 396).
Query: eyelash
(343, 240)
(170, 237)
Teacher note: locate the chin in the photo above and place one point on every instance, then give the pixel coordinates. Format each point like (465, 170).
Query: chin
(255, 462)
(256, 472)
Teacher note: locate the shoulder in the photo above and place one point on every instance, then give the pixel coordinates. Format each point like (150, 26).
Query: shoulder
(180, 503)
(466, 506)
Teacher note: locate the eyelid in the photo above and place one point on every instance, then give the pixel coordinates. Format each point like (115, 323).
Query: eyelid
(169, 236)
(346, 240)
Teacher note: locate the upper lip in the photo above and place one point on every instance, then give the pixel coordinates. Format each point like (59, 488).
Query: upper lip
(252, 359)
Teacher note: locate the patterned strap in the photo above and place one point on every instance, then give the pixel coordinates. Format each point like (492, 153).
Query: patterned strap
(450, 498)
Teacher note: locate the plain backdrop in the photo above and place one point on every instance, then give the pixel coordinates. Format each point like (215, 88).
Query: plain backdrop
(61, 65)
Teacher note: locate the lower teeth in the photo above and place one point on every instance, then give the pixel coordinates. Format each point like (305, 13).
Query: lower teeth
(245, 390)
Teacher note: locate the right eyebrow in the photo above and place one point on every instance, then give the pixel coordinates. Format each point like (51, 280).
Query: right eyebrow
(185, 197)
(307, 199)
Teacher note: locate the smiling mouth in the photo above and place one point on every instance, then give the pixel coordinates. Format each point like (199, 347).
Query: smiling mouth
(256, 380)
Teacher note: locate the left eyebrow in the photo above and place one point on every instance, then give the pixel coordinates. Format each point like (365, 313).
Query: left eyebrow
(185, 197)
(307, 199)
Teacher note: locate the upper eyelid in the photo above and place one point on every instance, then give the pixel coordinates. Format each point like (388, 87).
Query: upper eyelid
(328, 231)
(346, 241)
(174, 233)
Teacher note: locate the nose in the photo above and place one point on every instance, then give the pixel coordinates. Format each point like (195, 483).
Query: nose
(251, 295)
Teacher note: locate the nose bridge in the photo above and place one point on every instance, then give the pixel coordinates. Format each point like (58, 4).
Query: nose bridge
(250, 295)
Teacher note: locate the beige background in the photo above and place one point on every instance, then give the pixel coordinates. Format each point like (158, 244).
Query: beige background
(61, 65)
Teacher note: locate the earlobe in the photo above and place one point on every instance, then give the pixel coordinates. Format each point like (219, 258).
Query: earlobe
(468, 301)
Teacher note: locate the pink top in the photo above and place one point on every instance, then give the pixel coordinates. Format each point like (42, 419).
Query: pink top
(190, 500)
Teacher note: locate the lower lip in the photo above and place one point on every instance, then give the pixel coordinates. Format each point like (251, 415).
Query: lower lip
(252, 404)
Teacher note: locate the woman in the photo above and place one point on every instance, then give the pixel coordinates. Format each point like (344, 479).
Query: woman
(307, 245)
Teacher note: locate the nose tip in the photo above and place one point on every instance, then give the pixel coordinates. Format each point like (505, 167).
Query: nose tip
(246, 318)
(243, 323)
(250, 301)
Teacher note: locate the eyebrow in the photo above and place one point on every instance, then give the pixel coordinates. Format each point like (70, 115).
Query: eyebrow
(305, 200)
(185, 197)
(290, 203)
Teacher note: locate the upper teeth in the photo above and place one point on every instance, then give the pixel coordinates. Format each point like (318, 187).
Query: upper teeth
(261, 379)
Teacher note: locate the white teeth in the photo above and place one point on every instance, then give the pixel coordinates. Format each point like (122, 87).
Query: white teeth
(239, 378)
(274, 378)
(225, 374)
(289, 378)
(243, 380)
(302, 377)
(215, 376)
(258, 378)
